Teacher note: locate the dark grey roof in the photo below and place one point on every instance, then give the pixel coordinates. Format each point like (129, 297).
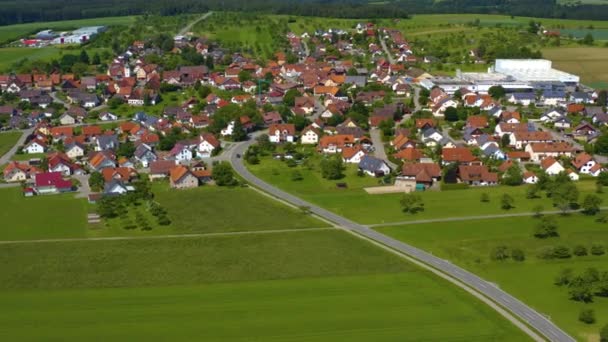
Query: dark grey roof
(371, 164)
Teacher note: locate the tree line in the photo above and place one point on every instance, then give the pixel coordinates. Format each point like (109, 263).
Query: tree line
(25, 11)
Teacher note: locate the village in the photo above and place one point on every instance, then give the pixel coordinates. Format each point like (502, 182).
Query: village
(522, 118)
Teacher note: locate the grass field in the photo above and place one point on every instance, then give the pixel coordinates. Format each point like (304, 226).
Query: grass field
(587, 62)
(210, 209)
(8, 140)
(12, 55)
(52, 216)
(469, 243)
(13, 32)
(357, 205)
(313, 286)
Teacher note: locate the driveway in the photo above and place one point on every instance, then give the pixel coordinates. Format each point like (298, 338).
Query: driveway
(379, 151)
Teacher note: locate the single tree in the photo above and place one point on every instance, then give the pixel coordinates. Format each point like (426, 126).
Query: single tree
(497, 92)
(546, 227)
(506, 202)
(518, 254)
(223, 175)
(597, 249)
(451, 114)
(565, 277)
(591, 204)
(412, 203)
(580, 250)
(96, 181)
(513, 176)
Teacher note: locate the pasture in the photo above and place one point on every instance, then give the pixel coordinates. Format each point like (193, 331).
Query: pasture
(468, 244)
(314, 286)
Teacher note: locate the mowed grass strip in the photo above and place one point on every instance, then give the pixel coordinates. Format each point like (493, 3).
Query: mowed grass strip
(396, 307)
(469, 243)
(8, 140)
(362, 207)
(50, 216)
(185, 261)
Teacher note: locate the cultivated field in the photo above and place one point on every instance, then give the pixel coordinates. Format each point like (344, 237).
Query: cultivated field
(313, 286)
(468, 244)
(587, 62)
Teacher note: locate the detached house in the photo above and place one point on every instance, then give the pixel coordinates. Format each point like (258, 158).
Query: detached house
(208, 143)
(335, 143)
(35, 146)
(278, 133)
(585, 164)
(51, 183)
(477, 175)
(180, 177)
(310, 136)
(180, 153)
(551, 166)
(425, 174)
(373, 166)
(539, 151)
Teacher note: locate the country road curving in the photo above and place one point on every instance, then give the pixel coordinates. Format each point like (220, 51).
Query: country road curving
(457, 275)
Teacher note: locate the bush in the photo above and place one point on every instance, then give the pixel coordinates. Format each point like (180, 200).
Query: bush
(518, 255)
(485, 197)
(545, 253)
(296, 176)
(587, 316)
(580, 250)
(561, 252)
(547, 227)
(564, 277)
(597, 249)
(499, 253)
(604, 334)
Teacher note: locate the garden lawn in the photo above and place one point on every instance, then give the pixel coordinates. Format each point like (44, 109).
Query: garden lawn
(50, 216)
(8, 140)
(356, 204)
(212, 209)
(313, 286)
(469, 243)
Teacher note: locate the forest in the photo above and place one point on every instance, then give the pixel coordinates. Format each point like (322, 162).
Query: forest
(24, 11)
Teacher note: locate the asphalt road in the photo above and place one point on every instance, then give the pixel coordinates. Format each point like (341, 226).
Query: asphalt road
(526, 314)
(388, 52)
(379, 151)
(8, 155)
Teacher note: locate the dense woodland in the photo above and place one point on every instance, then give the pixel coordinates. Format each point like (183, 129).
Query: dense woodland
(23, 11)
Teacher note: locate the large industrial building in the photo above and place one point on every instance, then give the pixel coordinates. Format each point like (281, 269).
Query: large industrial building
(515, 75)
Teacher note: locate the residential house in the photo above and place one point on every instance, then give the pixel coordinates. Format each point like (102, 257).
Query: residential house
(144, 155)
(458, 155)
(539, 151)
(310, 136)
(180, 177)
(278, 133)
(353, 155)
(524, 99)
(530, 177)
(51, 183)
(19, 172)
(335, 143)
(585, 164)
(424, 174)
(477, 175)
(67, 119)
(35, 146)
(520, 139)
(207, 144)
(374, 166)
(180, 153)
(551, 166)
(117, 187)
(160, 168)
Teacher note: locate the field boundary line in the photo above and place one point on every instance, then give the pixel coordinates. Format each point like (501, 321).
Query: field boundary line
(169, 236)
